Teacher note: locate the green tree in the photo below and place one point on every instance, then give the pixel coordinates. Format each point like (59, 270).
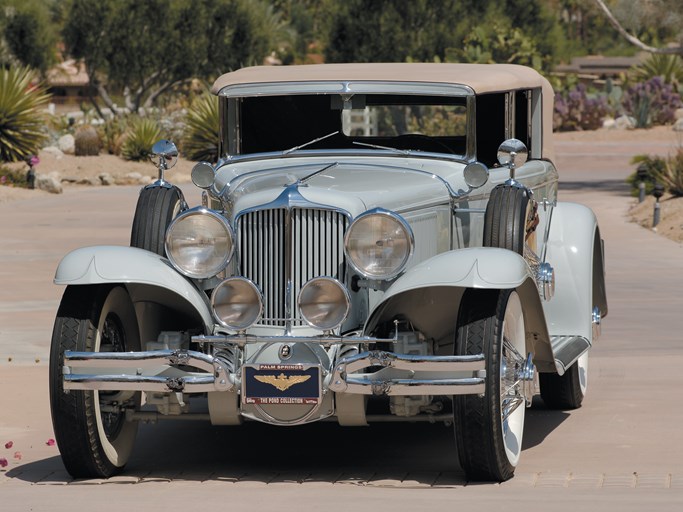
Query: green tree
(143, 49)
(27, 33)
(427, 30)
(632, 20)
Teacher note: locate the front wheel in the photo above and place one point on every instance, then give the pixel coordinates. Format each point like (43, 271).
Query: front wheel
(489, 429)
(92, 433)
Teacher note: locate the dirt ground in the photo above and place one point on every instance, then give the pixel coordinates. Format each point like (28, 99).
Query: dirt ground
(85, 171)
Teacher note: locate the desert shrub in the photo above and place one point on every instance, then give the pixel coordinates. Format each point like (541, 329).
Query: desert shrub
(112, 134)
(671, 176)
(87, 141)
(13, 177)
(202, 133)
(668, 67)
(576, 109)
(665, 170)
(652, 103)
(653, 164)
(21, 118)
(140, 137)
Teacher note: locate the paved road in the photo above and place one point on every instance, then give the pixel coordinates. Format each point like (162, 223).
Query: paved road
(623, 450)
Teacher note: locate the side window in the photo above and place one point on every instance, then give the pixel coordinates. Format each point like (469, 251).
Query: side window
(491, 125)
(523, 117)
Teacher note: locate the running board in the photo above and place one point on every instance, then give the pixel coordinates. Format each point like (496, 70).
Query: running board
(567, 349)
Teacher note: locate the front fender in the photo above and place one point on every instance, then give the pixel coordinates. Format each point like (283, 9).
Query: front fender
(575, 252)
(149, 276)
(429, 294)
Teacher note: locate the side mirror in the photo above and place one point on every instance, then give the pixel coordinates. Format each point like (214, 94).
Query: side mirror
(512, 153)
(476, 174)
(164, 155)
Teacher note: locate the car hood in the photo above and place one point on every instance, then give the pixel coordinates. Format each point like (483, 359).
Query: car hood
(353, 185)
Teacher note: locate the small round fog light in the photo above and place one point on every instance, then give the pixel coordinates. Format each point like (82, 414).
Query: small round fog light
(324, 303)
(237, 303)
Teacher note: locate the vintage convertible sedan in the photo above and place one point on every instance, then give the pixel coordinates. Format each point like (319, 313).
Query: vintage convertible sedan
(376, 242)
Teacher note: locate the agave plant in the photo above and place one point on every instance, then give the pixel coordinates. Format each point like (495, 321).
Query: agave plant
(140, 138)
(21, 119)
(202, 136)
(668, 67)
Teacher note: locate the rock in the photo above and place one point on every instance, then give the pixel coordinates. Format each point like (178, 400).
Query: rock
(678, 114)
(54, 151)
(133, 176)
(106, 179)
(609, 124)
(49, 183)
(67, 144)
(88, 181)
(678, 125)
(624, 123)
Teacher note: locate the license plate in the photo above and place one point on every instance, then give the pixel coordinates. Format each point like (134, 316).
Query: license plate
(281, 384)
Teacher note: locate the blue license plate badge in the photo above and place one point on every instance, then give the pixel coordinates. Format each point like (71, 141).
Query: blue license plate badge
(280, 384)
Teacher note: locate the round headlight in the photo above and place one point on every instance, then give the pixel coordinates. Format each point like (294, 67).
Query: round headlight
(237, 303)
(379, 244)
(199, 243)
(324, 303)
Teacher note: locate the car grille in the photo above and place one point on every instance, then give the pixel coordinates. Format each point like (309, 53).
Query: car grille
(278, 246)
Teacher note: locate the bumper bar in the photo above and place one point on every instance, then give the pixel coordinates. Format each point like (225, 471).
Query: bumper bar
(132, 366)
(166, 371)
(346, 380)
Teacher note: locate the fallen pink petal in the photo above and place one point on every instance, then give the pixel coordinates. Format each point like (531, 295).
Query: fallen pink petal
(17, 455)
(50, 442)
(9, 444)
(3, 462)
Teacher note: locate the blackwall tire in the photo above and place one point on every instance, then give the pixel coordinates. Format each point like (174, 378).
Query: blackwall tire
(156, 208)
(565, 391)
(489, 429)
(506, 218)
(93, 443)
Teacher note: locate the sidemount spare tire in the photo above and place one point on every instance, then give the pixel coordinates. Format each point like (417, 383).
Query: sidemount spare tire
(157, 207)
(506, 218)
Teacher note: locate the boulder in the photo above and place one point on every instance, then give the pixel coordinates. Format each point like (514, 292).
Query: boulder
(624, 123)
(678, 114)
(106, 179)
(678, 125)
(49, 182)
(54, 151)
(67, 144)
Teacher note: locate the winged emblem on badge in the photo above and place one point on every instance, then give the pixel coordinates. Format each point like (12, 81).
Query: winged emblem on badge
(282, 382)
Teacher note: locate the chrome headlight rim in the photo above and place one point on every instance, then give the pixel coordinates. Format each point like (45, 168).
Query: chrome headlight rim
(257, 294)
(200, 210)
(340, 287)
(409, 236)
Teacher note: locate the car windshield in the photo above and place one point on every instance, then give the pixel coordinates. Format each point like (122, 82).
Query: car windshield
(434, 124)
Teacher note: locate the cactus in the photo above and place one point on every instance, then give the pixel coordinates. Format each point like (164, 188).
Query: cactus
(87, 141)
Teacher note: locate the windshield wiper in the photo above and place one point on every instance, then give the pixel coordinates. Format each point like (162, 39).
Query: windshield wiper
(305, 179)
(377, 146)
(296, 148)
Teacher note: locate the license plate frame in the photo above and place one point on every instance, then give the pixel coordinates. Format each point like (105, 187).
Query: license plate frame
(281, 384)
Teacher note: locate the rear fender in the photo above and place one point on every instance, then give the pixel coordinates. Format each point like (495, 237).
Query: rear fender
(429, 294)
(149, 278)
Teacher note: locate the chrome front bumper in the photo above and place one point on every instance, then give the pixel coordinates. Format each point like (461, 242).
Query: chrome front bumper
(174, 371)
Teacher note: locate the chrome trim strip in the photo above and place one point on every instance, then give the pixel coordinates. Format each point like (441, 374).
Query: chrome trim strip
(344, 86)
(247, 339)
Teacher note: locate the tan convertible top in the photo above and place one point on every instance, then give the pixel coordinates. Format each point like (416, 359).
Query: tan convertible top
(482, 78)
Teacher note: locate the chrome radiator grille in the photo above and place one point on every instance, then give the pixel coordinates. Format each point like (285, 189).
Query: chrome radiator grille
(281, 246)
